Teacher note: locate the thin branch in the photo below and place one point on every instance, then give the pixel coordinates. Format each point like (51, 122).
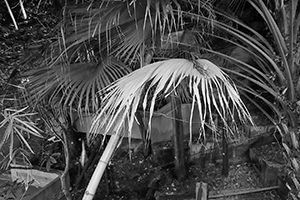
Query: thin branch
(23, 9)
(11, 15)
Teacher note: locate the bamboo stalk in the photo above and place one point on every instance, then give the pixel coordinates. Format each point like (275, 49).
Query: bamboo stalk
(102, 164)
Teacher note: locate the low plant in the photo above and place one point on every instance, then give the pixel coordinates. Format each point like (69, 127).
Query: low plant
(13, 190)
(17, 125)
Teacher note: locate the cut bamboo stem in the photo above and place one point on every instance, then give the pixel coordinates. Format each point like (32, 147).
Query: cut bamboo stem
(102, 164)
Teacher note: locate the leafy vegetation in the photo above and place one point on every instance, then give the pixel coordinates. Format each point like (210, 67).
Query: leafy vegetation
(113, 58)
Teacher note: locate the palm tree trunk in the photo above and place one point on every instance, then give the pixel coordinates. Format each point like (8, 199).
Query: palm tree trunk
(180, 164)
(102, 164)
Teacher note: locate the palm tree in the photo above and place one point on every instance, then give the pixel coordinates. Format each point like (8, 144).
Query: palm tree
(156, 48)
(208, 86)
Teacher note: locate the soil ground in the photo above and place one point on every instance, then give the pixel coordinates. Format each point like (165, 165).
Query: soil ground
(141, 178)
(134, 177)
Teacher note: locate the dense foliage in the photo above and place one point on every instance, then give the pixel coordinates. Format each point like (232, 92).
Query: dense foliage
(70, 62)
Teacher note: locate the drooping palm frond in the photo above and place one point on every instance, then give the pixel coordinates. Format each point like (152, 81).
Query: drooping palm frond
(209, 87)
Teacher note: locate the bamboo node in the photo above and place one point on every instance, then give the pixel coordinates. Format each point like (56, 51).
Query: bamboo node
(103, 162)
(87, 193)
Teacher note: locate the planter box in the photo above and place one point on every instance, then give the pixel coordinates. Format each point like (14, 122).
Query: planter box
(52, 191)
(267, 170)
(208, 154)
(237, 151)
(40, 183)
(34, 177)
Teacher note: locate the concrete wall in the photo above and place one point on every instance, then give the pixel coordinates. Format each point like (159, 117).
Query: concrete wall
(161, 126)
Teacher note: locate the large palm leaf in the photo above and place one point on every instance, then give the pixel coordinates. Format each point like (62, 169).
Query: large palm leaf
(209, 88)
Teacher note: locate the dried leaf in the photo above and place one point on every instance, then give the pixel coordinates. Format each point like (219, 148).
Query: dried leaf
(294, 140)
(53, 160)
(48, 165)
(296, 182)
(285, 128)
(287, 149)
(295, 164)
(57, 154)
(293, 196)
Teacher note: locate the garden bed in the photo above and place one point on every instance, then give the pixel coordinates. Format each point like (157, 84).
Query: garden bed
(143, 179)
(134, 177)
(30, 184)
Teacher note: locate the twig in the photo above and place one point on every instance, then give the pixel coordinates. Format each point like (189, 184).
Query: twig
(11, 15)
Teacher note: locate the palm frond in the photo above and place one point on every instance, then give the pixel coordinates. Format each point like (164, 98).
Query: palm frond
(126, 29)
(209, 87)
(74, 85)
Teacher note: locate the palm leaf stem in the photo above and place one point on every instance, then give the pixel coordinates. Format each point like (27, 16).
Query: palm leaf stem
(291, 37)
(280, 44)
(245, 39)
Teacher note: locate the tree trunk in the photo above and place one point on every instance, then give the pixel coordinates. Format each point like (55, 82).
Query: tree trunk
(180, 163)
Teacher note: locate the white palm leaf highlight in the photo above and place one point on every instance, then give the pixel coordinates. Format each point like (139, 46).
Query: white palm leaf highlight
(209, 87)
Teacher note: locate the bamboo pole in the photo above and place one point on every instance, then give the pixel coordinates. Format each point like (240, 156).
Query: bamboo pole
(102, 164)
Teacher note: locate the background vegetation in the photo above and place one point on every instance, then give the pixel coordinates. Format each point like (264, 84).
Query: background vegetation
(53, 67)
